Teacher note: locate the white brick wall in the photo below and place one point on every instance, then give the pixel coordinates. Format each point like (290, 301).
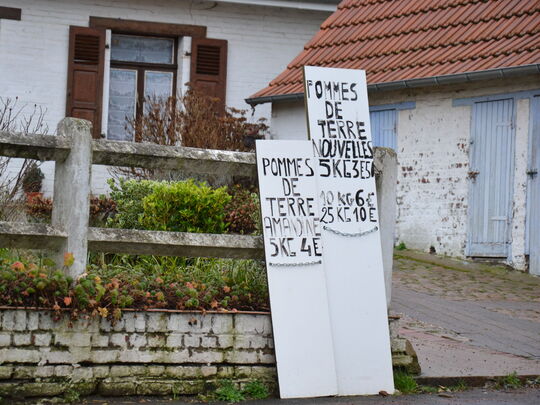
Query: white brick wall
(433, 155)
(433, 158)
(33, 51)
(181, 353)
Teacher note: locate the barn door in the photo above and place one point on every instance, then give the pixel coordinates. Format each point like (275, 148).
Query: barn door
(383, 128)
(490, 176)
(533, 187)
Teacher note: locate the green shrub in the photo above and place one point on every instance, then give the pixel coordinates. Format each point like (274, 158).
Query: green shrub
(39, 209)
(128, 196)
(242, 212)
(185, 206)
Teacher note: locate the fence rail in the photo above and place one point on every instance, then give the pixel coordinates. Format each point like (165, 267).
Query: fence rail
(74, 153)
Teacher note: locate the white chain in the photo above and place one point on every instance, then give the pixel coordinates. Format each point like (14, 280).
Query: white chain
(295, 264)
(350, 235)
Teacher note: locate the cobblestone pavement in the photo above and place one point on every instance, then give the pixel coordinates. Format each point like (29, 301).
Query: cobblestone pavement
(465, 318)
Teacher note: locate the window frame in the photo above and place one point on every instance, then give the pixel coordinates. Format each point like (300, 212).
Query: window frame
(142, 67)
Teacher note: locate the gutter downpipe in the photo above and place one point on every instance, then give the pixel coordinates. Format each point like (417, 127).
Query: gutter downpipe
(500, 73)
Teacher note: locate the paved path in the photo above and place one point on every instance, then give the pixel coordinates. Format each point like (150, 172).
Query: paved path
(467, 319)
(478, 321)
(472, 397)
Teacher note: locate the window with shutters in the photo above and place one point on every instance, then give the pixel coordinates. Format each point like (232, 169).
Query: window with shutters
(142, 67)
(143, 63)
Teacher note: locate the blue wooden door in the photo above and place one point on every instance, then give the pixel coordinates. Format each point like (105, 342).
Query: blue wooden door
(383, 128)
(533, 190)
(490, 176)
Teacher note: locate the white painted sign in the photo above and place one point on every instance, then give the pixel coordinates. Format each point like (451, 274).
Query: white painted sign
(296, 279)
(338, 123)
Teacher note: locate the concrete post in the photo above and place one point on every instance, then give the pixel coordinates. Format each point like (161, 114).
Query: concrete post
(386, 179)
(71, 202)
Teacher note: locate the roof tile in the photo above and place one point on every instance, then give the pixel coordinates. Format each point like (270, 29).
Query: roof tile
(406, 39)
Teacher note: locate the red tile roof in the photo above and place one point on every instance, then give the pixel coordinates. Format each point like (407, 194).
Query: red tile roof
(396, 40)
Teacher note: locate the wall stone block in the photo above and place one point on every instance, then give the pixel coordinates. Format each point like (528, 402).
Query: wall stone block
(22, 339)
(5, 338)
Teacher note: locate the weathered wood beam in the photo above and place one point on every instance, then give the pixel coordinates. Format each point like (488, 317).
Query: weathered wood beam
(130, 154)
(187, 160)
(137, 242)
(30, 236)
(39, 147)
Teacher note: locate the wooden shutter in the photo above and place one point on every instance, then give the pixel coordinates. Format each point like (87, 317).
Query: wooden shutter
(209, 67)
(85, 75)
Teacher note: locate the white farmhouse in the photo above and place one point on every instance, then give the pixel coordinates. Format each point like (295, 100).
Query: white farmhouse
(97, 59)
(454, 88)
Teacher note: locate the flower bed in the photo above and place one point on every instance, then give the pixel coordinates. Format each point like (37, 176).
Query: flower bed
(142, 282)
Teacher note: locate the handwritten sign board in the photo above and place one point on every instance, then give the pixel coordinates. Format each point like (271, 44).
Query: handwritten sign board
(338, 124)
(296, 279)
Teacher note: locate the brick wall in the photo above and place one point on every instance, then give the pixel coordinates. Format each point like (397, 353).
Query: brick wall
(143, 353)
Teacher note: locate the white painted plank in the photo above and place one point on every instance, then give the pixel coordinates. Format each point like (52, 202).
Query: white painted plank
(338, 122)
(297, 285)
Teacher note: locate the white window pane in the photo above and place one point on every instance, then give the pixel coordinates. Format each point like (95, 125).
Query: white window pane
(122, 103)
(158, 84)
(142, 49)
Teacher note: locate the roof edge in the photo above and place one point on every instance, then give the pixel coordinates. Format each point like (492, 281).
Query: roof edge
(456, 78)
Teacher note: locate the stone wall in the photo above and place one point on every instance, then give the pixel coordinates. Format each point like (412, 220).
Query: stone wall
(144, 353)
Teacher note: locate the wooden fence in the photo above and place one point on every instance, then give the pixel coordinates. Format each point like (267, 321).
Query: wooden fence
(74, 152)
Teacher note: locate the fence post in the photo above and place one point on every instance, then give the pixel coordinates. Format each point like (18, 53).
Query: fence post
(386, 180)
(71, 203)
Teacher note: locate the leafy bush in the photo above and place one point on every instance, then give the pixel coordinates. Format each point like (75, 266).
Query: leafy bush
(39, 209)
(185, 207)
(139, 283)
(101, 209)
(242, 211)
(128, 196)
